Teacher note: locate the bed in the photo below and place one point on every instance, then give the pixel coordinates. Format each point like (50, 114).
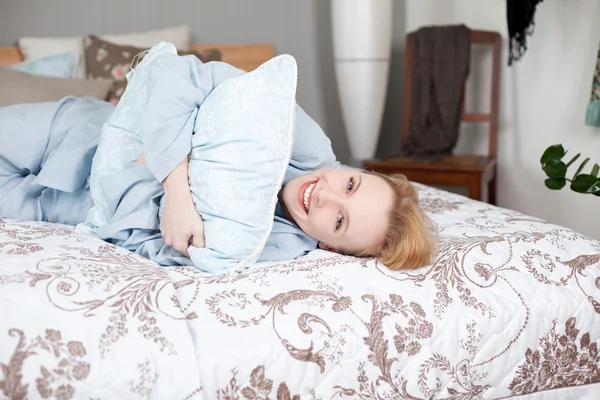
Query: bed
(510, 308)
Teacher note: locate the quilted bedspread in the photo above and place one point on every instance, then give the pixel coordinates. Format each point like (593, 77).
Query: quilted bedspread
(510, 307)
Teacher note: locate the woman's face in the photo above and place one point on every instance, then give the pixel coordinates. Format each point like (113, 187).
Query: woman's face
(346, 211)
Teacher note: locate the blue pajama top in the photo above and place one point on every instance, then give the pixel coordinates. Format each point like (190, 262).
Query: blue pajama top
(46, 152)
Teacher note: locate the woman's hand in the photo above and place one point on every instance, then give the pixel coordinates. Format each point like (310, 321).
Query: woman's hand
(181, 222)
(181, 225)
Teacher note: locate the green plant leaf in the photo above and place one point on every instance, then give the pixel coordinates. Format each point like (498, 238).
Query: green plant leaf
(581, 167)
(555, 169)
(555, 183)
(555, 152)
(573, 160)
(584, 183)
(595, 170)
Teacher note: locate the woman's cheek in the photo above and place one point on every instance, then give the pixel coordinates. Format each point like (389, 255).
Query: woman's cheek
(319, 222)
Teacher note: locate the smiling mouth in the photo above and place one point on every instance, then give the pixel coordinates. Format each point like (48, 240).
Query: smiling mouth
(305, 195)
(308, 196)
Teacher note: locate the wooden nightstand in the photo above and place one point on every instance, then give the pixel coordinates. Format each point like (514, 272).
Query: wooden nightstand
(472, 172)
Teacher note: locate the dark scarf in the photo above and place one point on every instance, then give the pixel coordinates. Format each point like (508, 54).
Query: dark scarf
(519, 16)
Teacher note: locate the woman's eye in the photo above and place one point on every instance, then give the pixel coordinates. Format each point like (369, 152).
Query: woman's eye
(339, 221)
(350, 185)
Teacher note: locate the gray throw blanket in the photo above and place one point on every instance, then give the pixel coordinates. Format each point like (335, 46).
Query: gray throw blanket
(441, 58)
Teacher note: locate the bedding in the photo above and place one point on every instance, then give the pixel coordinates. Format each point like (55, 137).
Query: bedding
(108, 60)
(62, 65)
(38, 47)
(243, 133)
(20, 87)
(509, 308)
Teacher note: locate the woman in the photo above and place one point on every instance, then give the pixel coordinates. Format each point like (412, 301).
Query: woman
(350, 212)
(47, 149)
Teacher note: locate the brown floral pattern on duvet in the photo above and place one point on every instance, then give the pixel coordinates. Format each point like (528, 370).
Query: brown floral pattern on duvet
(259, 388)
(407, 340)
(147, 379)
(19, 248)
(24, 231)
(24, 237)
(54, 380)
(562, 360)
(317, 318)
(439, 206)
(139, 284)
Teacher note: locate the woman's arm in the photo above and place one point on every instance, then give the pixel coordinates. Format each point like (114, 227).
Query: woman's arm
(312, 148)
(177, 87)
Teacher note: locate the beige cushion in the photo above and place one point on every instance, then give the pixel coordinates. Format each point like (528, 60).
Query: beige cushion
(18, 87)
(38, 47)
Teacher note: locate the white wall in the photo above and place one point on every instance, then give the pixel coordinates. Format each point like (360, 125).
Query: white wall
(301, 28)
(543, 99)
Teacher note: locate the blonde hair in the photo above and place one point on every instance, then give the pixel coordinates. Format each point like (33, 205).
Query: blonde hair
(410, 241)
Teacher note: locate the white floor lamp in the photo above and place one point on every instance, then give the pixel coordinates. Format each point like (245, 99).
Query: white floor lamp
(362, 41)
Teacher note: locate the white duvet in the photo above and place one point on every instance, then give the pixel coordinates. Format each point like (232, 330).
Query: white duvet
(510, 307)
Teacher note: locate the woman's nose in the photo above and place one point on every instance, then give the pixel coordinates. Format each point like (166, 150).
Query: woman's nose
(326, 196)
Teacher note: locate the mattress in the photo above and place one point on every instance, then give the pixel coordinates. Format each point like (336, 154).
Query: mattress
(509, 309)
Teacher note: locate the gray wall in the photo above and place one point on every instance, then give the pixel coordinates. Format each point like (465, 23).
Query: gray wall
(297, 27)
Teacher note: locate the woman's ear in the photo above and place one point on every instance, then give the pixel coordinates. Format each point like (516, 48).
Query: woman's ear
(323, 246)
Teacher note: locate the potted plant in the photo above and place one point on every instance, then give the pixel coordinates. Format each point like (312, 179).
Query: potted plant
(556, 169)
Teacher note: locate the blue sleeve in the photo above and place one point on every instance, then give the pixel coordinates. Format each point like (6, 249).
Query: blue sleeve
(284, 247)
(177, 86)
(312, 148)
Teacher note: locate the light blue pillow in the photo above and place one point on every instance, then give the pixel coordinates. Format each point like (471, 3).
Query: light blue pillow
(62, 65)
(244, 133)
(241, 148)
(121, 141)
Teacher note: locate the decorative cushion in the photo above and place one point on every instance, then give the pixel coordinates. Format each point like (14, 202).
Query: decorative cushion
(38, 47)
(19, 87)
(241, 147)
(108, 60)
(62, 65)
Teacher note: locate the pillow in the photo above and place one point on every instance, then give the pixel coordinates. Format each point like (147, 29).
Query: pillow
(241, 148)
(120, 144)
(19, 87)
(61, 65)
(104, 59)
(240, 152)
(33, 48)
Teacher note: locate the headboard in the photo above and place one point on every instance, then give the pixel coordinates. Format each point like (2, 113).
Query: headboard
(243, 56)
